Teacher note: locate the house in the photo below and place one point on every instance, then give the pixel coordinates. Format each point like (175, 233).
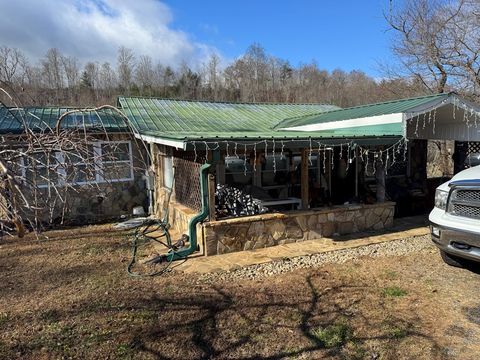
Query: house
(100, 180)
(276, 173)
(285, 173)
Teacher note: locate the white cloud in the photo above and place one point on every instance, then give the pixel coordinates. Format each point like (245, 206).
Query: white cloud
(95, 29)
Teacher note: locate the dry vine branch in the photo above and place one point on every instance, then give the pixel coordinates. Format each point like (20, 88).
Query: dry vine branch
(45, 164)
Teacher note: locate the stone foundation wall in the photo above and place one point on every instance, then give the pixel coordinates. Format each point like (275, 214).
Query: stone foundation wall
(179, 216)
(254, 232)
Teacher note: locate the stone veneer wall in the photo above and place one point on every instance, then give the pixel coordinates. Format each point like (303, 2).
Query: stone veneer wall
(104, 201)
(254, 232)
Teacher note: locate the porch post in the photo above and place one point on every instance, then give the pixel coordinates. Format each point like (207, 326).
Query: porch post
(214, 157)
(211, 197)
(357, 165)
(380, 178)
(304, 179)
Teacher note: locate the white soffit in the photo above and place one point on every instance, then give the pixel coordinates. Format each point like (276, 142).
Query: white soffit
(345, 124)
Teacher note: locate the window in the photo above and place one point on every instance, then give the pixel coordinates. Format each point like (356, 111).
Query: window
(168, 171)
(238, 170)
(115, 161)
(275, 170)
(78, 169)
(41, 169)
(102, 162)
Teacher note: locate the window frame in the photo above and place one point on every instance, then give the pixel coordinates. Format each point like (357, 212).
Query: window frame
(99, 169)
(98, 164)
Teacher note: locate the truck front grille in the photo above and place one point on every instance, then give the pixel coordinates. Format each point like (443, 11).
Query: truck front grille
(464, 202)
(468, 195)
(465, 210)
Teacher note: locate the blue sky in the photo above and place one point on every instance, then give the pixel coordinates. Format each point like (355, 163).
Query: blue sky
(344, 34)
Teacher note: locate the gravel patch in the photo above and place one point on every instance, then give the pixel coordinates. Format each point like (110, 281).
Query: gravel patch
(390, 248)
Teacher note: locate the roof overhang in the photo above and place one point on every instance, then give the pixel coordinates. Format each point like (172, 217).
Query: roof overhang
(345, 124)
(156, 140)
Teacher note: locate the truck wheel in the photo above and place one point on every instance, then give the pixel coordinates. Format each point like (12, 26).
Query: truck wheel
(451, 260)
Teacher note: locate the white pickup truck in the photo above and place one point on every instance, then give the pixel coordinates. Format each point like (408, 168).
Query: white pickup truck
(455, 219)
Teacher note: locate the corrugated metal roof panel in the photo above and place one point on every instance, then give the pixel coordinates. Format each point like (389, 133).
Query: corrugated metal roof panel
(179, 119)
(12, 120)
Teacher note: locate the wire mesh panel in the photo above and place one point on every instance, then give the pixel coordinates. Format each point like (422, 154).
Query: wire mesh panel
(474, 147)
(187, 183)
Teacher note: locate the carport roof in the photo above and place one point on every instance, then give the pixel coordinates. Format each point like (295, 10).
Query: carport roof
(408, 105)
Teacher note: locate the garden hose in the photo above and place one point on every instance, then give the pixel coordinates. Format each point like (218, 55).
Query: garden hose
(144, 235)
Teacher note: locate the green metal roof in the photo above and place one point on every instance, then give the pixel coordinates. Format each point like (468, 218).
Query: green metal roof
(12, 120)
(357, 112)
(193, 120)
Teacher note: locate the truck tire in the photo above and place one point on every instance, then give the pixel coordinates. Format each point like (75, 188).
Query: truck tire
(451, 260)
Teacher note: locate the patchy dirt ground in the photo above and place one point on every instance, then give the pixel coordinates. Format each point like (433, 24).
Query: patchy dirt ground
(70, 297)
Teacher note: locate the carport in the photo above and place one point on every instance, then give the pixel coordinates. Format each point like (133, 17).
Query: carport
(445, 116)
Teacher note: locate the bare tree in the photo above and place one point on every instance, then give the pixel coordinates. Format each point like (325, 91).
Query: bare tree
(71, 70)
(125, 68)
(52, 69)
(437, 42)
(144, 74)
(12, 63)
(92, 74)
(107, 79)
(188, 82)
(213, 75)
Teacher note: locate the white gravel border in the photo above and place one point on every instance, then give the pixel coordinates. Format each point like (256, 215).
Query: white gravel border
(389, 248)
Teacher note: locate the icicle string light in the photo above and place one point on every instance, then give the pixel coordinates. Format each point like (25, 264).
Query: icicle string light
(274, 158)
(195, 151)
(255, 157)
(245, 160)
(347, 158)
(389, 155)
(310, 153)
(324, 159)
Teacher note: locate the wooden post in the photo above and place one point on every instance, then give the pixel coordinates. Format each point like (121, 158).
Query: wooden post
(328, 168)
(304, 179)
(220, 171)
(380, 178)
(211, 197)
(357, 168)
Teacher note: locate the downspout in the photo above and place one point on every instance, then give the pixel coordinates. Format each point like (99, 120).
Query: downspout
(192, 225)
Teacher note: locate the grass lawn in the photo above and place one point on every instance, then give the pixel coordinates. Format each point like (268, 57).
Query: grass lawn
(70, 297)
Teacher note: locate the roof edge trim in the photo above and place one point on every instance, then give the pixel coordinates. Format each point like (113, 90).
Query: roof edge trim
(156, 140)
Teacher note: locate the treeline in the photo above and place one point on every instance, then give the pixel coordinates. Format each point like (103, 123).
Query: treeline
(58, 79)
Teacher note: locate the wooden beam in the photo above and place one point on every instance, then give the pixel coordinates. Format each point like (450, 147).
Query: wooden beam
(304, 179)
